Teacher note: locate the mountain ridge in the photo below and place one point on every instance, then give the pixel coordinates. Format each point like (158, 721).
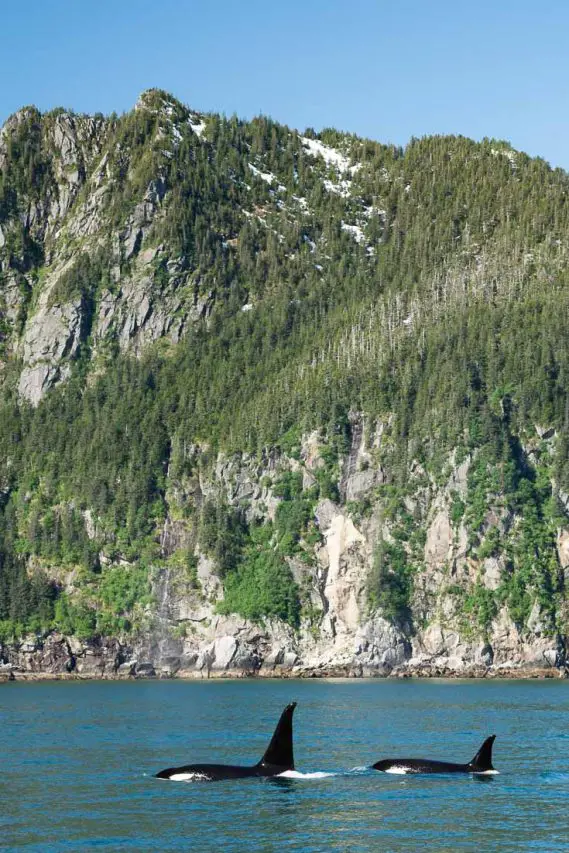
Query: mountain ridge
(179, 290)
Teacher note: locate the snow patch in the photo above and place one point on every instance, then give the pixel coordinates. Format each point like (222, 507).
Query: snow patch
(197, 125)
(342, 188)
(268, 177)
(302, 203)
(370, 210)
(508, 153)
(355, 231)
(329, 155)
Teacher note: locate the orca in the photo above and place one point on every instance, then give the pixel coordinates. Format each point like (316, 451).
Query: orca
(277, 759)
(481, 763)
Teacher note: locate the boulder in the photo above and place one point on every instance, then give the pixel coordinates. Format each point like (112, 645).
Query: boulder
(224, 650)
(145, 669)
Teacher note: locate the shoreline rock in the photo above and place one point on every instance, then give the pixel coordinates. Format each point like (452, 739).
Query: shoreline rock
(146, 672)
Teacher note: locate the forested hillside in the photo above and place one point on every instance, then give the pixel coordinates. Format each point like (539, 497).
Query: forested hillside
(219, 336)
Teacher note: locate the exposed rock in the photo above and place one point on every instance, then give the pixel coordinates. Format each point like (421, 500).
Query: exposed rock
(51, 340)
(310, 452)
(535, 622)
(485, 655)
(275, 657)
(492, 572)
(563, 552)
(325, 513)
(459, 478)
(145, 669)
(224, 651)
(359, 484)
(378, 644)
(439, 539)
(545, 433)
(344, 585)
(186, 637)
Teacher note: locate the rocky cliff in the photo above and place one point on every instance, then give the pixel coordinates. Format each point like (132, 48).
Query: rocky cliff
(456, 620)
(274, 402)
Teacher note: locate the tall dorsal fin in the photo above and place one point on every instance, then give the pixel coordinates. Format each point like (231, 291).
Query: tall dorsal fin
(483, 759)
(279, 752)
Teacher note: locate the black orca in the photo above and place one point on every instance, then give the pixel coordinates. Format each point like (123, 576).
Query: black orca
(277, 758)
(481, 763)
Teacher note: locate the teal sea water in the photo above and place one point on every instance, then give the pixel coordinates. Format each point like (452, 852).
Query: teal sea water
(77, 761)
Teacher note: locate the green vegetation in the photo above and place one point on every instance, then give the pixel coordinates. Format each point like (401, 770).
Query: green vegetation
(502, 474)
(251, 558)
(262, 584)
(457, 508)
(391, 582)
(481, 606)
(447, 321)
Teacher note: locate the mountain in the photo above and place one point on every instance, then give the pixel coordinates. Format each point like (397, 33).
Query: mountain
(278, 399)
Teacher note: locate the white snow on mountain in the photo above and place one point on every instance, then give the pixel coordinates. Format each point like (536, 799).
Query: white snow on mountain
(330, 155)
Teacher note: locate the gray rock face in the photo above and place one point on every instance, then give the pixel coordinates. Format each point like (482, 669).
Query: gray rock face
(439, 539)
(380, 644)
(50, 341)
(224, 651)
(349, 638)
(359, 484)
(492, 572)
(73, 216)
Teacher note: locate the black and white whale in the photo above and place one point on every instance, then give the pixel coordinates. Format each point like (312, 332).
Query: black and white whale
(481, 763)
(277, 759)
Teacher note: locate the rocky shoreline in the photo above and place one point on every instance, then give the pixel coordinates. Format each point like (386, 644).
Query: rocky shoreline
(146, 671)
(239, 654)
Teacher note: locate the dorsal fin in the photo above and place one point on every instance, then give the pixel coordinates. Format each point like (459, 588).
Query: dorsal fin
(279, 752)
(483, 759)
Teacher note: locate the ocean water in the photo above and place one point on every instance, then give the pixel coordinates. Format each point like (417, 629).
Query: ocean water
(77, 761)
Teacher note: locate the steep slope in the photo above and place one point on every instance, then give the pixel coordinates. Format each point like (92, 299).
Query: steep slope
(314, 381)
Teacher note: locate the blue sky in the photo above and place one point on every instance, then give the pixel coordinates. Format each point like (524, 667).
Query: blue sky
(388, 70)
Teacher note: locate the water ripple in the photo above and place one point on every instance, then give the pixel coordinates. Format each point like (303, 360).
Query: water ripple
(78, 763)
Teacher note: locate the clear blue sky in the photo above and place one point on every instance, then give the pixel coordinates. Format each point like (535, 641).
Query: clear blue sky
(388, 69)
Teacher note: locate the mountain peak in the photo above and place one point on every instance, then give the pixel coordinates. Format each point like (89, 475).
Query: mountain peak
(158, 100)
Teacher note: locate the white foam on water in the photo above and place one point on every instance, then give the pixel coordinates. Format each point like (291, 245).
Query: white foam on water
(188, 777)
(296, 774)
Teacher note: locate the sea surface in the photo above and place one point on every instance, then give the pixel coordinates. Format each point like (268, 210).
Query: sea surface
(77, 758)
